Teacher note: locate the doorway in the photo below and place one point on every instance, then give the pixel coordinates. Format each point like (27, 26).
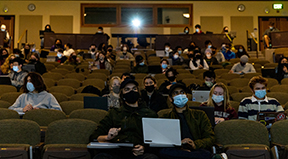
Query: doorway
(9, 21)
(280, 22)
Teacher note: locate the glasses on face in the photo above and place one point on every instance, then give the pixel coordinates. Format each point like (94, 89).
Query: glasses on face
(175, 93)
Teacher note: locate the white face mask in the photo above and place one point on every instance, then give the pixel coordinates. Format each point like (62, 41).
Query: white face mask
(167, 48)
(208, 54)
(2, 29)
(176, 56)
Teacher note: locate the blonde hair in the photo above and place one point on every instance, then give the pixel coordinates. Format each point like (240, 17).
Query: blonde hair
(226, 101)
(112, 79)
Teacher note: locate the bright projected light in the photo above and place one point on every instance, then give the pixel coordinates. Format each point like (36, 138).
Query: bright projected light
(136, 22)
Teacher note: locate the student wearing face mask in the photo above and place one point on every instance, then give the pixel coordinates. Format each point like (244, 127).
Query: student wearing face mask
(123, 125)
(3, 55)
(209, 58)
(17, 75)
(186, 30)
(228, 53)
(241, 51)
(219, 99)
(198, 30)
(164, 63)
(18, 53)
(93, 51)
(258, 102)
(39, 66)
(177, 59)
(60, 57)
(101, 32)
(208, 45)
(125, 54)
(197, 136)
(282, 69)
(26, 51)
(114, 96)
(73, 60)
(209, 79)
(167, 50)
(57, 45)
(154, 100)
(198, 62)
(140, 67)
(101, 63)
(34, 96)
(110, 55)
(243, 66)
(7, 38)
(68, 50)
(191, 46)
(266, 35)
(170, 74)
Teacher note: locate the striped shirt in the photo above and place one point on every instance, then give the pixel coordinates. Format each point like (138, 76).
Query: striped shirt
(250, 106)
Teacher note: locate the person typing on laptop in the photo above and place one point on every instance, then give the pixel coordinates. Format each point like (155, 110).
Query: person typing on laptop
(259, 102)
(123, 125)
(197, 136)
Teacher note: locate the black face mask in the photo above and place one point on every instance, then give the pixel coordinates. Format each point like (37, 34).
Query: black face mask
(150, 88)
(226, 31)
(131, 97)
(242, 63)
(213, 52)
(124, 53)
(5, 56)
(26, 51)
(109, 50)
(58, 45)
(190, 55)
(93, 50)
(172, 78)
(198, 56)
(32, 60)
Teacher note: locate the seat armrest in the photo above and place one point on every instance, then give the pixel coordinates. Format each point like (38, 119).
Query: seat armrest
(279, 146)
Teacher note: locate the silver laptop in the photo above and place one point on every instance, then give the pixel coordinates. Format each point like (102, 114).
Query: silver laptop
(161, 132)
(200, 95)
(160, 53)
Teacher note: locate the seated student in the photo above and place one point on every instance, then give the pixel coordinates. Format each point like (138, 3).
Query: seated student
(228, 53)
(209, 57)
(243, 66)
(102, 47)
(39, 66)
(197, 136)
(259, 102)
(219, 99)
(18, 53)
(219, 54)
(140, 67)
(123, 125)
(167, 50)
(60, 57)
(17, 75)
(3, 56)
(57, 45)
(113, 97)
(186, 30)
(177, 59)
(171, 74)
(208, 45)
(73, 60)
(154, 100)
(26, 51)
(6, 67)
(179, 50)
(241, 51)
(198, 30)
(101, 63)
(68, 50)
(110, 55)
(191, 46)
(34, 95)
(198, 62)
(93, 51)
(209, 80)
(164, 63)
(282, 69)
(124, 54)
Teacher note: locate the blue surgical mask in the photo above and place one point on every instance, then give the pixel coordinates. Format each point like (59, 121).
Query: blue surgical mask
(142, 63)
(164, 66)
(217, 99)
(30, 87)
(15, 68)
(2, 29)
(180, 100)
(179, 51)
(271, 28)
(240, 50)
(59, 55)
(260, 93)
(197, 30)
(17, 55)
(209, 46)
(209, 83)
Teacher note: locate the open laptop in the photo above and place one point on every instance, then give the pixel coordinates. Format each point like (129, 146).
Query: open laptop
(209, 112)
(160, 53)
(268, 118)
(96, 103)
(161, 132)
(29, 67)
(5, 80)
(200, 95)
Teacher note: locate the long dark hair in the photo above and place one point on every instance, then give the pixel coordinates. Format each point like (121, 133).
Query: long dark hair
(280, 72)
(36, 80)
(194, 59)
(103, 53)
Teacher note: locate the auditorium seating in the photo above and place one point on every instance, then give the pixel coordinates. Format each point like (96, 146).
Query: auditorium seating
(95, 115)
(70, 106)
(6, 89)
(8, 114)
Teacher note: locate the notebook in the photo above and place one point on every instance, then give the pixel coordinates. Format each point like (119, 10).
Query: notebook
(200, 95)
(5, 79)
(209, 112)
(268, 118)
(96, 103)
(161, 132)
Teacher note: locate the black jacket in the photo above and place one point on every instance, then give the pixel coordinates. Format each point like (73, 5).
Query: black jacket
(157, 101)
(164, 90)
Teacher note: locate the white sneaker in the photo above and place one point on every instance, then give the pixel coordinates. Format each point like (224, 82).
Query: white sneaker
(224, 156)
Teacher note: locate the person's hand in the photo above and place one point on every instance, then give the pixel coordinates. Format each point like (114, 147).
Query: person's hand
(285, 69)
(219, 120)
(138, 150)
(27, 108)
(200, 67)
(112, 133)
(168, 87)
(36, 108)
(230, 71)
(189, 142)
